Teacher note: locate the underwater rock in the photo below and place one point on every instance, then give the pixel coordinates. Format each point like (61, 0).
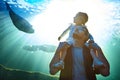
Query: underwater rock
(14, 74)
(19, 22)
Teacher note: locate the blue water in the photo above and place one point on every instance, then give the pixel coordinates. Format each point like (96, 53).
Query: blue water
(12, 40)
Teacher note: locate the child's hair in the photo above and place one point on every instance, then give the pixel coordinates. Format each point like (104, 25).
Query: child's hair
(84, 16)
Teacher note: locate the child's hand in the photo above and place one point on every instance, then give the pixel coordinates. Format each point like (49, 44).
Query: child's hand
(91, 41)
(94, 46)
(59, 38)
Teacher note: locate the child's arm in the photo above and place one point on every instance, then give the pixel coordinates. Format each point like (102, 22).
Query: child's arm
(91, 38)
(64, 33)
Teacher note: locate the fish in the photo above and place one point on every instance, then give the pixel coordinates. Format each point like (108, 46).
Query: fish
(19, 22)
(45, 48)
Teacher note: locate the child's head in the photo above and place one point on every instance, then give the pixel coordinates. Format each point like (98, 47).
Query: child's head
(81, 18)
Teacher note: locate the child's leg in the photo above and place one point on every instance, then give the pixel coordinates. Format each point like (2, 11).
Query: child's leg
(95, 57)
(63, 52)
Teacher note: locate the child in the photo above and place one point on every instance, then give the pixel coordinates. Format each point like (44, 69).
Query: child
(78, 27)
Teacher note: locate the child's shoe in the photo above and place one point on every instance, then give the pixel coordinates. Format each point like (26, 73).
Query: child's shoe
(59, 65)
(97, 63)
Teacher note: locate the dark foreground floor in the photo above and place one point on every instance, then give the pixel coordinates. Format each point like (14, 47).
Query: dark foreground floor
(13, 74)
